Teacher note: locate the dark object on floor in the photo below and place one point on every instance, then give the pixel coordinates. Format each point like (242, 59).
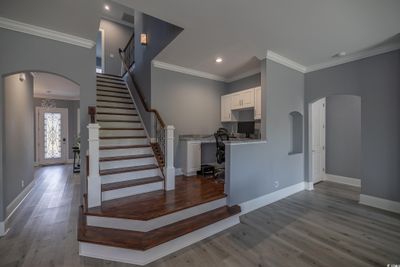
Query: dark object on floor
(206, 170)
(77, 165)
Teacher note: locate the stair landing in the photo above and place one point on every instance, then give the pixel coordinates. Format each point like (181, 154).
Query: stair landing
(189, 192)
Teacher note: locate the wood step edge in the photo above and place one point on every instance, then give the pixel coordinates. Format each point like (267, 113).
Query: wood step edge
(113, 101)
(146, 240)
(130, 183)
(105, 120)
(122, 147)
(122, 97)
(111, 91)
(120, 158)
(101, 106)
(122, 137)
(117, 114)
(108, 74)
(122, 129)
(128, 169)
(111, 86)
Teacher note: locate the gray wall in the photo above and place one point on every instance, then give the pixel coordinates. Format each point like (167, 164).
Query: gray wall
(160, 34)
(253, 169)
(191, 104)
(21, 52)
(245, 83)
(116, 36)
(343, 135)
(377, 81)
(18, 135)
(72, 106)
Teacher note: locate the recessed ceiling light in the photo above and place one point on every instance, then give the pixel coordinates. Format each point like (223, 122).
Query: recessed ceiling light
(107, 7)
(218, 60)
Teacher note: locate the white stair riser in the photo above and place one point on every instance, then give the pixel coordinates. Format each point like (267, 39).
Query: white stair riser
(116, 124)
(117, 90)
(131, 191)
(105, 165)
(110, 83)
(105, 80)
(114, 94)
(112, 98)
(116, 110)
(145, 257)
(125, 152)
(113, 104)
(121, 177)
(109, 133)
(117, 117)
(124, 142)
(146, 226)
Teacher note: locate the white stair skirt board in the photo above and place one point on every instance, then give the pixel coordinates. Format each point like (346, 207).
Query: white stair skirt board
(150, 255)
(116, 110)
(343, 180)
(114, 105)
(116, 124)
(117, 117)
(271, 198)
(112, 98)
(125, 152)
(380, 203)
(126, 176)
(110, 133)
(133, 190)
(145, 226)
(124, 142)
(127, 163)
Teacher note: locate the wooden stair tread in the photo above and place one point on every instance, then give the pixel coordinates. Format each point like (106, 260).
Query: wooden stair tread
(108, 74)
(111, 91)
(111, 82)
(140, 156)
(101, 106)
(122, 147)
(114, 101)
(113, 120)
(189, 192)
(146, 240)
(123, 137)
(112, 86)
(121, 129)
(117, 114)
(123, 97)
(130, 183)
(98, 78)
(128, 169)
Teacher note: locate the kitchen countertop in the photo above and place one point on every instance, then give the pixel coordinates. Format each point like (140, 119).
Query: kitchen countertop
(211, 139)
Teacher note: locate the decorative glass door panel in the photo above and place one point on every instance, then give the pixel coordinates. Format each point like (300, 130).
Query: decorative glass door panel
(52, 130)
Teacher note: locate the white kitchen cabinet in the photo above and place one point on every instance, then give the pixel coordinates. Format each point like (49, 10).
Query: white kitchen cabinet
(226, 112)
(236, 101)
(243, 99)
(192, 158)
(257, 103)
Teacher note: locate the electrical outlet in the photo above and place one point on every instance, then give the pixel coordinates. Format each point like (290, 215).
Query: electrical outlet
(276, 184)
(22, 183)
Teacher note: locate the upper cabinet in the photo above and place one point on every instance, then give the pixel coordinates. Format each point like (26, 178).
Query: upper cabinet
(246, 99)
(257, 103)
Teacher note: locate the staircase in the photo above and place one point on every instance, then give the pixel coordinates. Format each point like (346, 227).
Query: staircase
(128, 165)
(133, 213)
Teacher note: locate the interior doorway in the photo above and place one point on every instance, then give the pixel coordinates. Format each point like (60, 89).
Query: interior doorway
(318, 137)
(52, 135)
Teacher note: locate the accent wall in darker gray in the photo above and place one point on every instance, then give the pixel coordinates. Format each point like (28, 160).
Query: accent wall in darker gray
(116, 36)
(72, 106)
(23, 52)
(244, 83)
(377, 80)
(160, 34)
(254, 169)
(343, 136)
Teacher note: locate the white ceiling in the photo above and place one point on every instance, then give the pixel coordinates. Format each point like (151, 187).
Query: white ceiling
(48, 85)
(117, 12)
(308, 32)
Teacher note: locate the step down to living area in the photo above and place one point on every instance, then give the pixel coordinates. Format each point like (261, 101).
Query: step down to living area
(128, 169)
(130, 183)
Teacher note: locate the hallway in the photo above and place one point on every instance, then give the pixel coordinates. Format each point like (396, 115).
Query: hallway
(325, 227)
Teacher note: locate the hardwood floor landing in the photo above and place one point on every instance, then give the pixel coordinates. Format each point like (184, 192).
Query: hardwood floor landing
(189, 192)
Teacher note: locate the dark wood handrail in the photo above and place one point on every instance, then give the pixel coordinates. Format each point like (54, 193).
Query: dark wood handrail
(139, 92)
(92, 114)
(128, 43)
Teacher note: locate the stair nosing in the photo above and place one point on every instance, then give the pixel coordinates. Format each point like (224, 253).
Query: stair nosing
(128, 169)
(122, 97)
(113, 101)
(135, 182)
(100, 106)
(122, 158)
(116, 114)
(122, 137)
(122, 129)
(101, 120)
(122, 147)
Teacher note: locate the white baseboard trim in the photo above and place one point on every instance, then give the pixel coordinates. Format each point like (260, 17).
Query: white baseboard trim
(343, 180)
(3, 230)
(309, 186)
(271, 198)
(13, 206)
(150, 255)
(380, 203)
(178, 171)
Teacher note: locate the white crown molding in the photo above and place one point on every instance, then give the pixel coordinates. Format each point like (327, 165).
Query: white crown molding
(350, 58)
(171, 67)
(285, 61)
(45, 33)
(244, 75)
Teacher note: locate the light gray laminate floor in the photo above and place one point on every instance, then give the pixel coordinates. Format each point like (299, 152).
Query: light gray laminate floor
(325, 227)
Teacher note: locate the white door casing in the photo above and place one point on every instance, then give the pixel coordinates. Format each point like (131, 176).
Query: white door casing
(317, 140)
(58, 117)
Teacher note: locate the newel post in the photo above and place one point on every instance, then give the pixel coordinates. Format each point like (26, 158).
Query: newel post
(94, 182)
(169, 169)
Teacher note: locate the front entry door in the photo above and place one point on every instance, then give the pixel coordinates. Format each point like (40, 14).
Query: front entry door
(52, 135)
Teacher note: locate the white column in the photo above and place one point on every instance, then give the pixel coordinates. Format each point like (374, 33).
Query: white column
(169, 169)
(93, 180)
